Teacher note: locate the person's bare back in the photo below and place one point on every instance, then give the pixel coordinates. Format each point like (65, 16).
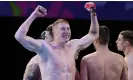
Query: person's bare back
(105, 66)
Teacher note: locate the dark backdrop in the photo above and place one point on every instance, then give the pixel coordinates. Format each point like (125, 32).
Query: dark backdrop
(19, 56)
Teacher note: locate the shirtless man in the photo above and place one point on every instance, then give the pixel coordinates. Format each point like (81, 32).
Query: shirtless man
(57, 58)
(103, 64)
(32, 71)
(125, 44)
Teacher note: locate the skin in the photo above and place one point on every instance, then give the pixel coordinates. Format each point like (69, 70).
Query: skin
(57, 60)
(103, 65)
(32, 71)
(125, 47)
(77, 76)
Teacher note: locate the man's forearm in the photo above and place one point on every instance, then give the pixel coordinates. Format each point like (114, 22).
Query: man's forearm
(23, 29)
(94, 28)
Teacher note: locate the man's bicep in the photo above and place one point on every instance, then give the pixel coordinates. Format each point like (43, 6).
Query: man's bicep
(30, 43)
(85, 41)
(83, 70)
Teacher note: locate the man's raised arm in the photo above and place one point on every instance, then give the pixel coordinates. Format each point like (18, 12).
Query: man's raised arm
(26, 41)
(93, 34)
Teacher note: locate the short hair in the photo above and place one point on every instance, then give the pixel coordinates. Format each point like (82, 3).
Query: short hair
(49, 29)
(128, 36)
(104, 35)
(60, 21)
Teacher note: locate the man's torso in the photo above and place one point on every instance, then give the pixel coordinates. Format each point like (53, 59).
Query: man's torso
(58, 65)
(104, 67)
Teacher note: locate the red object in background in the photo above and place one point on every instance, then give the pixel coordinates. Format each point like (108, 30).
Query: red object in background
(89, 5)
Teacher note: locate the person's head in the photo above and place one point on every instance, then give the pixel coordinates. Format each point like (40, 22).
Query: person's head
(125, 39)
(61, 31)
(104, 36)
(47, 34)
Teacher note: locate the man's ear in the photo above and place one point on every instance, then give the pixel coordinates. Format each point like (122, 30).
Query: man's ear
(126, 43)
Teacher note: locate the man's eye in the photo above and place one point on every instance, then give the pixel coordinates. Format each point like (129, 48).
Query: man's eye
(63, 28)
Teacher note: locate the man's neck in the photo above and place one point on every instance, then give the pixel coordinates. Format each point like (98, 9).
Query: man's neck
(102, 48)
(128, 51)
(58, 44)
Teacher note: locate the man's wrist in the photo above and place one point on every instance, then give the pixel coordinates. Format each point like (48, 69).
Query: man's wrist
(93, 12)
(33, 15)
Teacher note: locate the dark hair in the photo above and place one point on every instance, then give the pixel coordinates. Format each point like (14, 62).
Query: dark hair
(104, 35)
(49, 29)
(128, 36)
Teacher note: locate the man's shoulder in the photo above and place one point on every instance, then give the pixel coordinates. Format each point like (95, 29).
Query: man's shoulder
(33, 60)
(117, 55)
(119, 58)
(89, 57)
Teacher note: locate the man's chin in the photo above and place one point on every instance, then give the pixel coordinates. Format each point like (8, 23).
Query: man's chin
(66, 40)
(119, 49)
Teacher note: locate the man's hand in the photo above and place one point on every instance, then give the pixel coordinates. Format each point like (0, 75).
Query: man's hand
(91, 7)
(40, 11)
